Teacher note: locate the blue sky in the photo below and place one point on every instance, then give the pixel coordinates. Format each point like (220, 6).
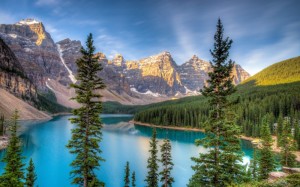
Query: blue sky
(263, 31)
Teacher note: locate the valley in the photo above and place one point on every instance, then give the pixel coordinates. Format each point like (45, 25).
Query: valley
(149, 93)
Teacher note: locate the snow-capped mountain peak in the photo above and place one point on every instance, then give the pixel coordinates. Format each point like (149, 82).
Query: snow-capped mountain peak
(28, 21)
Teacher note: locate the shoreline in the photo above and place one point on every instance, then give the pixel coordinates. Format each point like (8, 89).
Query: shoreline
(60, 114)
(166, 127)
(243, 137)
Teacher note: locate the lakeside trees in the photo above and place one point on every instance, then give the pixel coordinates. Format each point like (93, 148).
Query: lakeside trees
(167, 164)
(219, 167)
(266, 157)
(287, 145)
(31, 175)
(133, 179)
(2, 126)
(127, 175)
(87, 134)
(152, 176)
(14, 169)
(253, 167)
(13, 172)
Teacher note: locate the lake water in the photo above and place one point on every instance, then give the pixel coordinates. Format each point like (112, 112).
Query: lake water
(45, 142)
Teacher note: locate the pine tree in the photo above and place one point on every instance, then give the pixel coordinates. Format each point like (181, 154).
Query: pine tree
(31, 175)
(232, 154)
(13, 172)
(127, 175)
(253, 168)
(297, 135)
(266, 157)
(222, 134)
(152, 177)
(133, 179)
(87, 134)
(2, 126)
(167, 164)
(287, 145)
(279, 128)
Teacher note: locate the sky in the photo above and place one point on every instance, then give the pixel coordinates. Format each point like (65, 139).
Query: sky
(263, 31)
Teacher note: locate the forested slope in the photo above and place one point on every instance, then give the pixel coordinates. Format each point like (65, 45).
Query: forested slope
(274, 91)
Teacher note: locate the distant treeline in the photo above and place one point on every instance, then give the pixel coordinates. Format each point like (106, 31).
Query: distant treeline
(250, 103)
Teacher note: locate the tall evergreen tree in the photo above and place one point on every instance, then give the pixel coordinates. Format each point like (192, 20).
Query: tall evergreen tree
(127, 175)
(31, 175)
(287, 145)
(152, 177)
(266, 157)
(2, 125)
(133, 179)
(87, 134)
(253, 168)
(297, 134)
(167, 164)
(279, 128)
(222, 134)
(13, 172)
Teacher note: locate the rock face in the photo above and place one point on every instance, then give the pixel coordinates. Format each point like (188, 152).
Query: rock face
(239, 74)
(12, 76)
(194, 74)
(36, 51)
(154, 76)
(69, 51)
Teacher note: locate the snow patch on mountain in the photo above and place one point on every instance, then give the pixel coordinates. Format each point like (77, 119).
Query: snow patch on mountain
(47, 85)
(190, 92)
(146, 93)
(27, 22)
(71, 75)
(13, 35)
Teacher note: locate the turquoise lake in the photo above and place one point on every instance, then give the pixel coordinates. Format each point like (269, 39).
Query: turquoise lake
(45, 142)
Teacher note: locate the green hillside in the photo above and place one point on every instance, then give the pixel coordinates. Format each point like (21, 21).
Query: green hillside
(264, 93)
(287, 71)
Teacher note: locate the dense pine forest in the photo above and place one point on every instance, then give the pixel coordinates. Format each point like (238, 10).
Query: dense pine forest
(273, 92)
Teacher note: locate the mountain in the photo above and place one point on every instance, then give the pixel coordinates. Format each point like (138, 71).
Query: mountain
(153, 78)
(51, 67)
(284, 72)
(36, 51)
(194, 74)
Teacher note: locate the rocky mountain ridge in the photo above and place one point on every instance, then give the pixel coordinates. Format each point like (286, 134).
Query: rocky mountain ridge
(51, 66)
(36, 51)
